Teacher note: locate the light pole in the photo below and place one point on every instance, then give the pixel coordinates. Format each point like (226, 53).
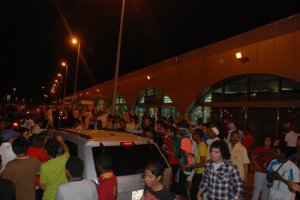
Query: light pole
(60, 83)
(14, 94)
(118, 59)
(64, 64)
(76, 42)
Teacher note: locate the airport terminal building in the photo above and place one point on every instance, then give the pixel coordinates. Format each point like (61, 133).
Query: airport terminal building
(260, 88)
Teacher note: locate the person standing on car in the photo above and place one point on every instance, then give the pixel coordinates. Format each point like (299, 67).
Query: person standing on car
(77, 188)
(108, 185)
(154, 188)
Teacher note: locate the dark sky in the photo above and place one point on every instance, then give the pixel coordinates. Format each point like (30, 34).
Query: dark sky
(35, 35)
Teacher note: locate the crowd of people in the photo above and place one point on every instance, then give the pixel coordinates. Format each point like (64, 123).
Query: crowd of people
(209, 161)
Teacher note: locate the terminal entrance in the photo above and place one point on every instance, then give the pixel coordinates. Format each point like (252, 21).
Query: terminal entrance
(154, 102)
(261, 102)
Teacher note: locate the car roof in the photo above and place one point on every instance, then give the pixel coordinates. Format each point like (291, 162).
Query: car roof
(102, 135)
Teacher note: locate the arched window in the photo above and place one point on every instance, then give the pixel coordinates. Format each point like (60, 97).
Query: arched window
(154, 102)
(262, 102)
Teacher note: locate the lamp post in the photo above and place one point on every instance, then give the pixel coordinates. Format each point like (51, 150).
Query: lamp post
(64, 64)
(118, 58)
(60, 83)
(76, 42)
(55, 86)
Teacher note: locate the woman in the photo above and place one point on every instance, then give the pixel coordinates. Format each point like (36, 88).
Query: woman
(262, 156)
(154, 188)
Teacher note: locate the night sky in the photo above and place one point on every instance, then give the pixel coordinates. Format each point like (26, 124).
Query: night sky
(35, 35)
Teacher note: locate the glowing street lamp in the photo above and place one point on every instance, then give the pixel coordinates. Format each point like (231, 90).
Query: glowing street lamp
(77, 43)
(64, 64)
(60, 83)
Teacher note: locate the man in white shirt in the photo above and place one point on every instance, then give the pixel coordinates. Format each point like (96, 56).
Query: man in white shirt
(281, 171)
(78, 188)
(6, 151)
(291, 136)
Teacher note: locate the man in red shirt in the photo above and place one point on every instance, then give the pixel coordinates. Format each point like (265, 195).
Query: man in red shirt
(108, 186)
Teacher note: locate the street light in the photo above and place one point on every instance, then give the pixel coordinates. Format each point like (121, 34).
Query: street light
(60, 83)
(118, 58)
(64, 64)
(76, 42)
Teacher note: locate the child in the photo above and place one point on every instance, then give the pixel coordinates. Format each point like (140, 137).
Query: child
(108, 186)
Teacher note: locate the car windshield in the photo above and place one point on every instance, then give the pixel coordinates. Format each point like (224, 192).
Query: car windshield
(129, 160)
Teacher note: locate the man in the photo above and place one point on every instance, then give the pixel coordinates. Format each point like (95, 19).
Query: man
(108, 185)
(221, 178)
(53, 171)
(281, 170)
(22, 171)
(6, 151)
(7, 188)
(200, 160)
(239, 155)
(213, 136)
(295, 158)
(78, 188)
(290, 137)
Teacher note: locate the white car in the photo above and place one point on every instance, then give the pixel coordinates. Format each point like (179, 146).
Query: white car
(130, 154)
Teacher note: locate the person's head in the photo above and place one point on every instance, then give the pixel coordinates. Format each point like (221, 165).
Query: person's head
(24, 132)
(205, 128)
(52, 147)
(36, 140)
(153, 174)
(74, 167)
(172, 131)
(298, 142)
(20, 146)
(8, 135)
(219, 151)
(282, 153)
(213, 132)
(104, 163)
(234, 137)
(267, 141)
(147, 121)
(288, 126)
(198, 135)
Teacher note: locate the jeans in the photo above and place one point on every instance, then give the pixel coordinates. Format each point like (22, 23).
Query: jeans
(260, 185)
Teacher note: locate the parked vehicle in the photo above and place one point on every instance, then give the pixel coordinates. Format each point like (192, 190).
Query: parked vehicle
(130, 154)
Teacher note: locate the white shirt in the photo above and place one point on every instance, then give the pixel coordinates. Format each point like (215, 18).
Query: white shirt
(291, 138)
(77, 190)
(288, 171)
(7, 153)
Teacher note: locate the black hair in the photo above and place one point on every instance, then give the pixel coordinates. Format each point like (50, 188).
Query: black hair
(264, 138)
(35, 140)
(221, 144)
(285, 149)
(52, 147)
(104, 161)
(173, 130)
(198, 132)
(20, 145)
(75, 166)
(156, 168)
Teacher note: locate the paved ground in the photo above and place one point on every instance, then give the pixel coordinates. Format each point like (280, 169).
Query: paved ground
(249, 189)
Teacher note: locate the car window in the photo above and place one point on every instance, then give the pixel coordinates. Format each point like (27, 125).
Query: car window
(129, 160)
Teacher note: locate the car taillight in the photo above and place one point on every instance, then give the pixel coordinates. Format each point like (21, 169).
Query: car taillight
(127, 143)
